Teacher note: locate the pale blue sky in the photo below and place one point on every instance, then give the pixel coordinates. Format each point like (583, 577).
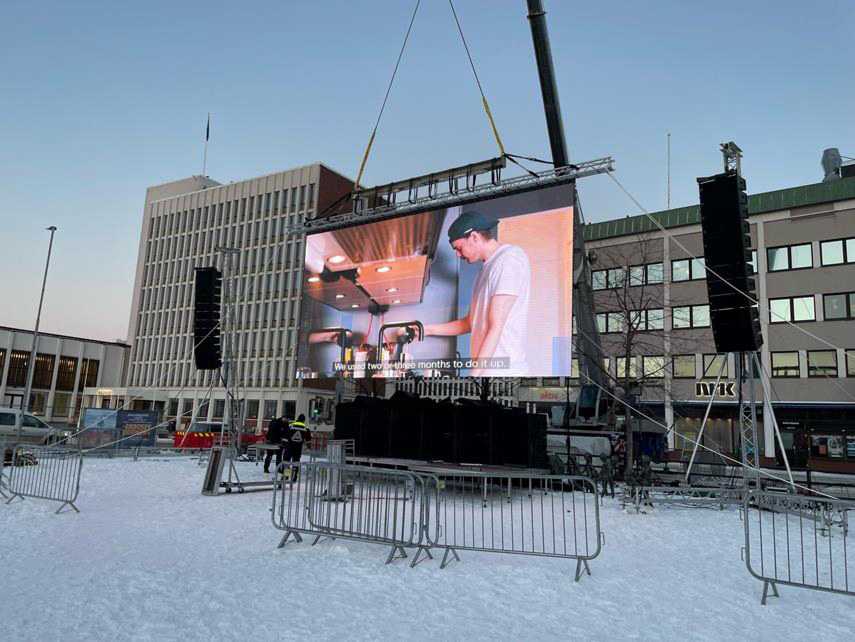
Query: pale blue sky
(98, 100)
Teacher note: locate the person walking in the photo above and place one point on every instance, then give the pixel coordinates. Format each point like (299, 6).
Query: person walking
(275, 437)
(298, 434)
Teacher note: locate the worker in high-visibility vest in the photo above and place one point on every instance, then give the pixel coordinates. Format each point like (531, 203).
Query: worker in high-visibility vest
(298, 434)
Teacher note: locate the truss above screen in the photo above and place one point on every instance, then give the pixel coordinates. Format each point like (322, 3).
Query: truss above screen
(449, 188)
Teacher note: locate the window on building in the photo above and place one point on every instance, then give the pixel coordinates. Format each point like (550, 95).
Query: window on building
(645, 274)
(599, 280)
(822, 363)
(43, 373)
(66, 372)
(850, 362)
(61, 404)
(644, 320)
(795, 309)
(690, 316)
(789, 257)
(753, 263)
(172, 408)
(88, 374)
(837, 252)
(18, 364)
(574, 368)
(838, 306)
(623, 372)
(715, 364)
(2, 362)
(688, 269)
(683, 366)
(785, 364)
(252, 409)
(653, 366)
(219, 408)
(616, 277)
(655, 273)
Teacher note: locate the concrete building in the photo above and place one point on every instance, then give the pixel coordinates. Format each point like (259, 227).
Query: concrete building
(66, 369)
(804, 258)
(184, 222)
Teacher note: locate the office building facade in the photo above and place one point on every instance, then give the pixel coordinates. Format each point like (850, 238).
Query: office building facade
(184, 225)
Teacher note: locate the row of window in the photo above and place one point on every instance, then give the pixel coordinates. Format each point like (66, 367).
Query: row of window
(785, 364)
(800, 256)
(43, 373)
(686, 316)
(836, 307)
(797, 309)
(233, 211)
(778, 259)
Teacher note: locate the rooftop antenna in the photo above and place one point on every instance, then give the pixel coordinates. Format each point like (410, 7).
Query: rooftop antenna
(207, 138)
(668, 171)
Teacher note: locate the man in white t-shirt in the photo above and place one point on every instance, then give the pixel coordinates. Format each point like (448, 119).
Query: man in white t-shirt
(498, 312)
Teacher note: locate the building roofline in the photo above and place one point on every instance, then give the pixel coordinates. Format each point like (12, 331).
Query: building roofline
(782, 199)
(66, 336)
(245, 180)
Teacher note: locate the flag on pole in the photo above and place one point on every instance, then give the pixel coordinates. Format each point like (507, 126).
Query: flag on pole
(208, 129)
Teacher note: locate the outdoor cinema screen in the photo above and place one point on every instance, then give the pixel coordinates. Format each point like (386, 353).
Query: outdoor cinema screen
(475, 290)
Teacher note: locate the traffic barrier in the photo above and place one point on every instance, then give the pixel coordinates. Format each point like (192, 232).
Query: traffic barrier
(45, 472)
(352, 502)
(518, 513)
(798, 541)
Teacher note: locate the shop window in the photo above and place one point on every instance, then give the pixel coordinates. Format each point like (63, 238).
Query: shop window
(269, 408)
(172, 408)
(683, 366)
(785, 364)
(790, 257)
(822, 363)
(219, 408)
(792, 309)
(828, 446)
(61, 404)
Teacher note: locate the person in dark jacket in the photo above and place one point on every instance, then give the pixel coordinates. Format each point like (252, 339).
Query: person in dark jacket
(276, 435)
(298, 434)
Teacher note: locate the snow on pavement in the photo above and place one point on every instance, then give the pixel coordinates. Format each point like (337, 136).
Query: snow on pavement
(149, 557)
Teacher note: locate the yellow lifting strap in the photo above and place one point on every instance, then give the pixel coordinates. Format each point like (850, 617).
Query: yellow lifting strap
(493, 126)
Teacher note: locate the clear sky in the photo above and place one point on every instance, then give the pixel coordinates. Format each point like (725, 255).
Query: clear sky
(99, 100)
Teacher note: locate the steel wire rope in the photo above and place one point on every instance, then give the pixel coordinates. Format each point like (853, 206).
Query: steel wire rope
(386, 98)
(781, 319)
(477, 81)
(135, 398)
(672, 429)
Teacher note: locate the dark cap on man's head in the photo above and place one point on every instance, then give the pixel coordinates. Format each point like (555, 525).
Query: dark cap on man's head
(470, 222)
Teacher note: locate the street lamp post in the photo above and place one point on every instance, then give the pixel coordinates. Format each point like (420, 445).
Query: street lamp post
(31, 366)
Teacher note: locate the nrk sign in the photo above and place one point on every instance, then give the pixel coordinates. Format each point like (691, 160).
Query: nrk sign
(705, 389)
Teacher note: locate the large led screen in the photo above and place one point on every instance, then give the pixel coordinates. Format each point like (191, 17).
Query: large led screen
(477, 290)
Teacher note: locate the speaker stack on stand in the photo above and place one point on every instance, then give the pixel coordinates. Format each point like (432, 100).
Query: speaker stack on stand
(731, 288)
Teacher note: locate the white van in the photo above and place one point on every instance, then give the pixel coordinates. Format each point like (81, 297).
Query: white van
(33, 429)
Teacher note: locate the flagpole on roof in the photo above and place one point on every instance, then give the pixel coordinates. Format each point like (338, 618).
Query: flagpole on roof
(207, 138)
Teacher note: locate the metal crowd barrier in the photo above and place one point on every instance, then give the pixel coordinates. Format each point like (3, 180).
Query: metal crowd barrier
(638, 497)
(799, 541)
(519, 513)
(45, 472)
(353, 502)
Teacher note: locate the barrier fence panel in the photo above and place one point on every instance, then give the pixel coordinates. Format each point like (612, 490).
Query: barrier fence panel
(799, 541)
(519, 513)
(45, 472)
(352, 502)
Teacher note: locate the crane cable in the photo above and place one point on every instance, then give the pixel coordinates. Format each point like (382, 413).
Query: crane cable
(478, 82)
(484, 102)
(385, 98)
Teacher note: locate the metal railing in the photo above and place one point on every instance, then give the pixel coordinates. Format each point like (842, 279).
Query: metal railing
(45, 472)
(519, 513)
(799, 541)
(353, 502)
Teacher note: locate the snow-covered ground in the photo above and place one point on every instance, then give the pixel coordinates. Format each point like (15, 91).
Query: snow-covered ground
(149, 557)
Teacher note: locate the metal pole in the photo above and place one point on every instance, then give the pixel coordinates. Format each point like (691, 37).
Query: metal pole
(31, 366)
(583, 302)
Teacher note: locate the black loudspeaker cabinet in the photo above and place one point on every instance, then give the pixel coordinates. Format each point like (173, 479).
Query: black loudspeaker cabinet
(207, 294)
(734, 318)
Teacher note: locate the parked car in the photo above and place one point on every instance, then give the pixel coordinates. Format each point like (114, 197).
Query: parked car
(33, 429)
